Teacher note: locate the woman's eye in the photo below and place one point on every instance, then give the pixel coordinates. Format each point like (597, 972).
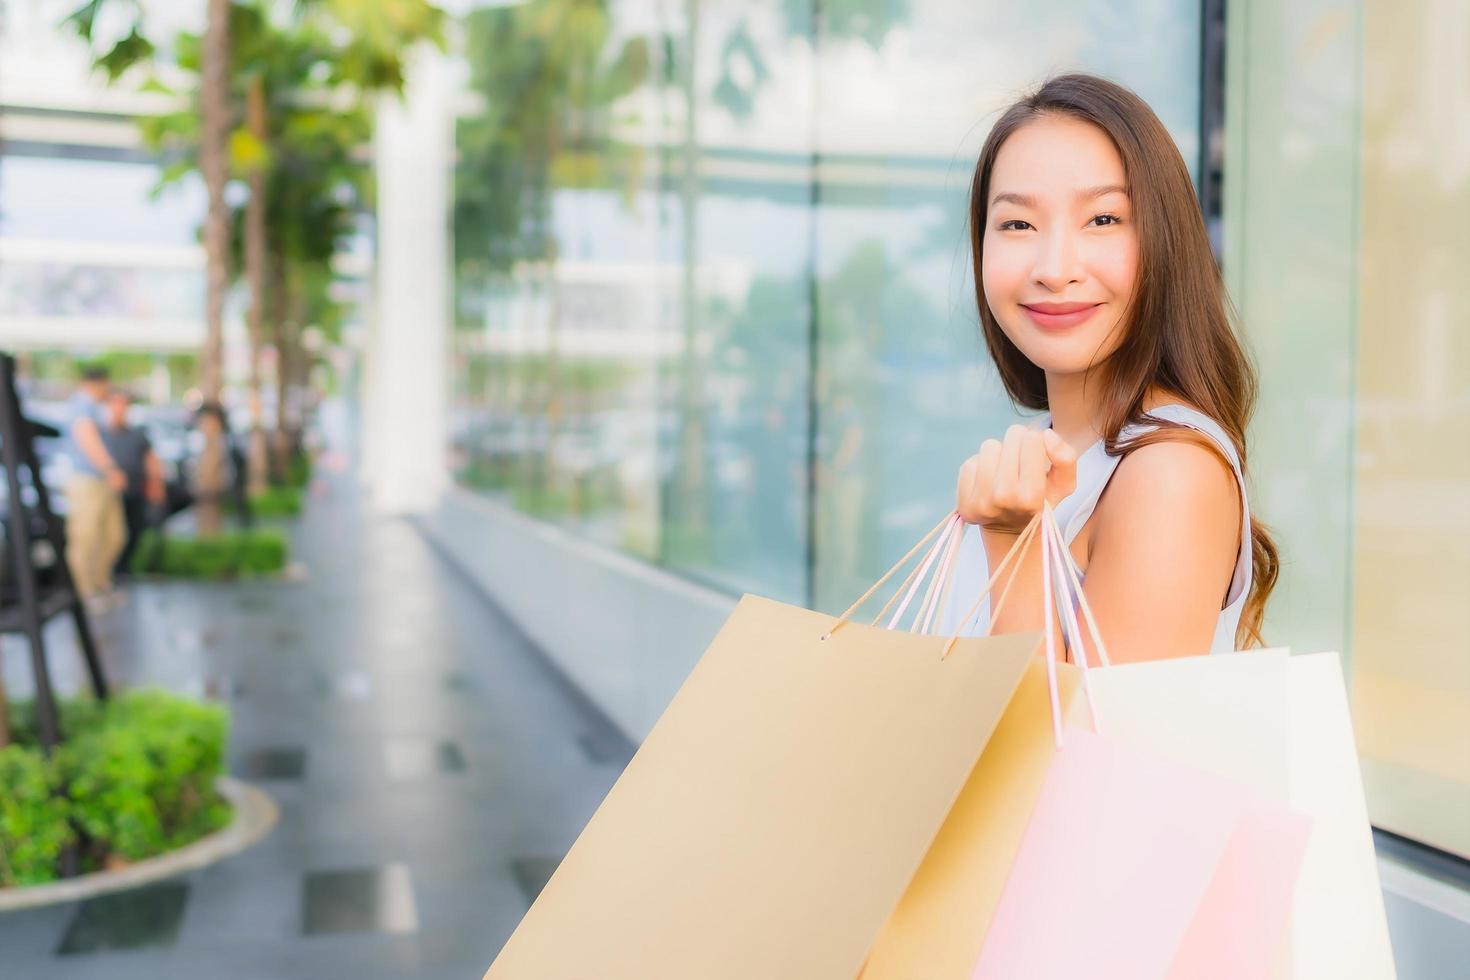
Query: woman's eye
(1113, 219)
(1006, 225)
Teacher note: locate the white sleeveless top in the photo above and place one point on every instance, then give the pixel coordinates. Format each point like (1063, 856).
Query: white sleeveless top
(1094, 469)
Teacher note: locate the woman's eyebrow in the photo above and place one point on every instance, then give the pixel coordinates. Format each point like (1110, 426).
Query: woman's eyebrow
(1024, 200)
(1086, 193)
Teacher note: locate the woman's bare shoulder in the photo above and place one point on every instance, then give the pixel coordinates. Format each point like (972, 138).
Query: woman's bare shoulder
(1171, 487)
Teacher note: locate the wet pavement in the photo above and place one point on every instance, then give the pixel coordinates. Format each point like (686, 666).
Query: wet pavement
(431, 768)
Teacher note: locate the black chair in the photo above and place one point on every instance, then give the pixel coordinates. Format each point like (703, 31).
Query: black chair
(37, 584)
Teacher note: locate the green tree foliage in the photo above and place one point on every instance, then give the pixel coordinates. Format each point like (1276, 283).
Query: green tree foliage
(549, 76)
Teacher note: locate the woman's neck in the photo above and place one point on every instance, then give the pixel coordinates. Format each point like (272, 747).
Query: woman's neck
(1075, 408)
(1076, 405)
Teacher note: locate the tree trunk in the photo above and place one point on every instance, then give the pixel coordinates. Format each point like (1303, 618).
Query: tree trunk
(255, 245)
(280, 441)
(298, 371)
(214, 114)
(4, 714)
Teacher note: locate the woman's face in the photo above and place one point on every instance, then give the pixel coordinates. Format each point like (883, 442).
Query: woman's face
(1060, 254)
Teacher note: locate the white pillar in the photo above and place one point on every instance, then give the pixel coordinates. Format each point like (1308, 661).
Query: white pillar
(405, 388)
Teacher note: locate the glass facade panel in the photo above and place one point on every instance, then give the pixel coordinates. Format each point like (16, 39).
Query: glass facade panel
(1411, 518)
(565, 274)
(738, 390)
(1290, 260)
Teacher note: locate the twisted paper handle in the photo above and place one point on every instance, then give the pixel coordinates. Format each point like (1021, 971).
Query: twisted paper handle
(1057, 561)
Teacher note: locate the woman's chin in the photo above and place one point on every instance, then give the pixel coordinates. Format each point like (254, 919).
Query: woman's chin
(1058, 358)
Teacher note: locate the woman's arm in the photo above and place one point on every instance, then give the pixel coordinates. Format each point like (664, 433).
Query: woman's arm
(1164, 541)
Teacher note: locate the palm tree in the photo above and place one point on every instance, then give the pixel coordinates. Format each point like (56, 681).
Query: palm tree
(216, 114)
(359, 47)
(255, 272)
(356, 50)
(216, 117)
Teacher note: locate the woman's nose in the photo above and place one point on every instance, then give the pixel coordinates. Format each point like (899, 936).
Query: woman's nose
(1056, 262)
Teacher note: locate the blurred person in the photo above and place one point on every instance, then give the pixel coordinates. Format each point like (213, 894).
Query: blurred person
(211, 420)
(133, 453)
(1101, 303)
(96, 529)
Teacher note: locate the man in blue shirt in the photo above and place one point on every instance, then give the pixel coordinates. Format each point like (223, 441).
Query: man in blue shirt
(95, 529)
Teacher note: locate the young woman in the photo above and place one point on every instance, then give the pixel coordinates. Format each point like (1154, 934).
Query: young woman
(1101, 303)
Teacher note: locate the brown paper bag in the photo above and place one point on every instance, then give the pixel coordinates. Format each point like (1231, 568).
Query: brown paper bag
(774, 815)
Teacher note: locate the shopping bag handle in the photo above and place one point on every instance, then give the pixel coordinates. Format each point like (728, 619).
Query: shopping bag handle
(1064, 564)
(953, 524)
(946, 537)
(847, 613)
(1055, 563)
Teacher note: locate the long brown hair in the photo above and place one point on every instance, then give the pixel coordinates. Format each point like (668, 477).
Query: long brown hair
(1177, 332)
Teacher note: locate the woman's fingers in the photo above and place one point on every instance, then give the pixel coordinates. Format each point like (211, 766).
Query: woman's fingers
(983, 489)
(1062, 478)
(1031, 485)
(1008, 470)
(973, 496)
(1006, 482)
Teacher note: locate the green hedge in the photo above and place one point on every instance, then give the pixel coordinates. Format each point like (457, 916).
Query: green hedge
(239, 554)
(134, 778)
(276, 502)
(298, 471)
(33, 819)
(273, 501)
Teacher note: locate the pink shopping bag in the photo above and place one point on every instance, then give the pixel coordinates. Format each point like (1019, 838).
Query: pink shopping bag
(1113, 873)
(1136, 867)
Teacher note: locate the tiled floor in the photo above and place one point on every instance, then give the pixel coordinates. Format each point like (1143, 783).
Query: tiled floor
(430, 767)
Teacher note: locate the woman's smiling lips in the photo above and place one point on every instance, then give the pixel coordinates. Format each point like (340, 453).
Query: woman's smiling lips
(1057, 316)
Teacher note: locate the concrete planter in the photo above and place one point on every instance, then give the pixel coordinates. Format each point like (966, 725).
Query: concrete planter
(255, 814)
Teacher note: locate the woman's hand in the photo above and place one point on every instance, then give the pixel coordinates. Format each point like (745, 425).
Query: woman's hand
(1002, 487)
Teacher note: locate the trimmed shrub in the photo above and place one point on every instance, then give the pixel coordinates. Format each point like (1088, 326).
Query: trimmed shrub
(141, 781)
(134, 778)
(220, 556)
(298, 471)
(33, 817)
(276, 502)
(272, 502)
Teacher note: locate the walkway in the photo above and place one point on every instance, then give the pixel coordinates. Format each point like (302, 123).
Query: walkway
(430, 767)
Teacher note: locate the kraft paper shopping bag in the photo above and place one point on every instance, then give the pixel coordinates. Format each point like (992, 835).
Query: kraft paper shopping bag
(773, 816)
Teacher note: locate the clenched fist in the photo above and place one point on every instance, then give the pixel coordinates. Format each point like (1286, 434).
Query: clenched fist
(1002, 487)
